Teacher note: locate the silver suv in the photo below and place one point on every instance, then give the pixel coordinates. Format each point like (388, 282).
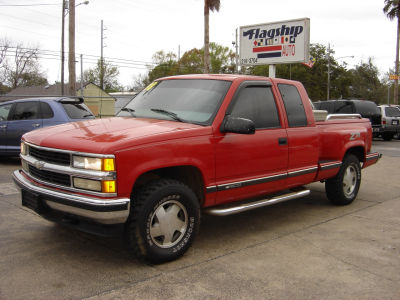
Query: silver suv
(390, 120)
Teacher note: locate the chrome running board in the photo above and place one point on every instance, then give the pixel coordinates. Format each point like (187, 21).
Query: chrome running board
(234, 208)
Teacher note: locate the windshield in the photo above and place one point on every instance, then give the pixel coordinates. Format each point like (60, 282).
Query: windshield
(182, 100)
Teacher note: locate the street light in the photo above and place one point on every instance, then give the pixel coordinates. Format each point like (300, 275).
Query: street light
(329, 69)
(64, 12)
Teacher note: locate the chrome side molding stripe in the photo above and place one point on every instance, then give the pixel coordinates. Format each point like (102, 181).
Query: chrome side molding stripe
(239, 184)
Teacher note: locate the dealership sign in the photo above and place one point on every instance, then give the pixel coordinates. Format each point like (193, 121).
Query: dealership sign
(275, 43)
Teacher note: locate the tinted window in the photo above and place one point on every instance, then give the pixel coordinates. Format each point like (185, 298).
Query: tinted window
(191, 100)
(47, 112)
(4, 111)
(77, 111)
(26, 111)
(392, 112)
(293, 105)
(326, 106)
(343, 107)
(257, 104)
(367, 108)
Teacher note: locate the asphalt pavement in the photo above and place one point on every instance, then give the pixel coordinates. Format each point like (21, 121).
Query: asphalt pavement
(301, 249)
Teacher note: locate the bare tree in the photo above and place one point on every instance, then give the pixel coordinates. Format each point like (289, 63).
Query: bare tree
(19, 65)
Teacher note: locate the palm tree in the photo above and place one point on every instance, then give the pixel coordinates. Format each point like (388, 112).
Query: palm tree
(212, 5)
(392, 10)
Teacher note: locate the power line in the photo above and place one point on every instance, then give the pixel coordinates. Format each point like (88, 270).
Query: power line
(87, 56)
(43, 4)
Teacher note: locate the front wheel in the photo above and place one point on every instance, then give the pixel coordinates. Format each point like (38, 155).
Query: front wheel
(165, 218)
(343, 188)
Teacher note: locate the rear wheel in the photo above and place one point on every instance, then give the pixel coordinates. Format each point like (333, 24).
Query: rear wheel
(343, 188)
(164, 221)
(387, 136)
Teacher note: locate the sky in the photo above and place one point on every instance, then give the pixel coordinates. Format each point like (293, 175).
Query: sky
(136, 29)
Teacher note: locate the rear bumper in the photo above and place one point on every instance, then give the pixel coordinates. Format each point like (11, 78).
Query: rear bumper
(45, 201)
(386, 129)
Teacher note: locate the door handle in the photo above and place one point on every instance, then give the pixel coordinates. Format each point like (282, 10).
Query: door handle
(282, 141)
(35, 125)
(3, 126)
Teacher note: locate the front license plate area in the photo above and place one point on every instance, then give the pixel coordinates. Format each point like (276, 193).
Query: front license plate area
(395, 122)
(31, 200)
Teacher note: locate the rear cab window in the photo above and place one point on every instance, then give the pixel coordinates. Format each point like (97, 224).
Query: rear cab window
(294, 107)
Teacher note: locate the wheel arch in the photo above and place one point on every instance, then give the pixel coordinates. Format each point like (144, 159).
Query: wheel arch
(187, 174)
(357, 151)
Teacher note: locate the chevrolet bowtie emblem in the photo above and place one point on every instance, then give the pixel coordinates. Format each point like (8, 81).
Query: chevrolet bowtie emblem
(39, 165)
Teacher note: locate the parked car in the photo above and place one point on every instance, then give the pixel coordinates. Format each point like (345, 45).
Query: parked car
(367, 109)
(186, 145)
(20, 116)
(390, 121)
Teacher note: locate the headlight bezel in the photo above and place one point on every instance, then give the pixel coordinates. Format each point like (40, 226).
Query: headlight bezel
(106, 164)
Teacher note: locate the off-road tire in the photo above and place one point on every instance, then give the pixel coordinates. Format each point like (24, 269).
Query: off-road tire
(163, 222)
(343, 188)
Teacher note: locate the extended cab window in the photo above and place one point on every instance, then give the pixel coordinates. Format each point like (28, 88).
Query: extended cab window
(257, 103)
(293, 105)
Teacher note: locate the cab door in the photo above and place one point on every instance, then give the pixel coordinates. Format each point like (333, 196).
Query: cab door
(249, 165)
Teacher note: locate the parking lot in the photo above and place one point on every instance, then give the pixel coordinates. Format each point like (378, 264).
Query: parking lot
(301, 249)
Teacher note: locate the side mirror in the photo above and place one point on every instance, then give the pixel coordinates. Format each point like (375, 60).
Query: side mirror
(238, 125)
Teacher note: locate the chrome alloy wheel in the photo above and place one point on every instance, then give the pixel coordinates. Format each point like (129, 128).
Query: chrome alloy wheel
(168, 224)
(349, 180)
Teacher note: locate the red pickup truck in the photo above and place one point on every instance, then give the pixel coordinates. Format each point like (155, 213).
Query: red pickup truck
(186, 145)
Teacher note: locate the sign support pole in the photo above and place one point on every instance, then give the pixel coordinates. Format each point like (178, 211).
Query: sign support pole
(272, 71)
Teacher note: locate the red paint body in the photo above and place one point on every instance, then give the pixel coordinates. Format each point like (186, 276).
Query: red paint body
(223, 159)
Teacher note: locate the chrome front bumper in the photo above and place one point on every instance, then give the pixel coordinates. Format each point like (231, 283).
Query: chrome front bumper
(104, 211)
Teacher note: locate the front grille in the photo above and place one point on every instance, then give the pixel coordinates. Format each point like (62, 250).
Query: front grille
(50, 177)
(59, 158)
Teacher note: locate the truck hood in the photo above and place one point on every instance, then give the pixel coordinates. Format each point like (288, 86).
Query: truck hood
(106, 136)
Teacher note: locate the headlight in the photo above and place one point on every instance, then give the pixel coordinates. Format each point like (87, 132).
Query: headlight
(93, 163)
(24, 148)
(106, 186)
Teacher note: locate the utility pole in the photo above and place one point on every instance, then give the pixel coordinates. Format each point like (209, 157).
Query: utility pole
(328, 55)
(236, 53)
(101, 58)
(82, 75)
(62, 46)
(71, 56)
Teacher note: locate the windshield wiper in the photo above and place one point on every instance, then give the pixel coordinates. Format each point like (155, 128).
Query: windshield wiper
(131, 111)
(168, 113)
